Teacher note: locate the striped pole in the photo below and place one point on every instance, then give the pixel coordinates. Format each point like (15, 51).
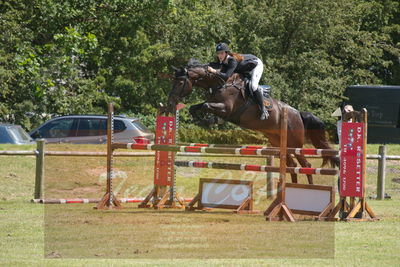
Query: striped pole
(110, 155)
(223, 149)
(296, 151)
(88, 200)
(197, 149)
(257, 168)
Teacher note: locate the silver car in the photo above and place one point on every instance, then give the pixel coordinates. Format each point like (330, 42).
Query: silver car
(91, 129)
(14, 134)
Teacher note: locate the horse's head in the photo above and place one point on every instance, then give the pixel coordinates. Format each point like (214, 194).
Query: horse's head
(182, 86)
(184, 80)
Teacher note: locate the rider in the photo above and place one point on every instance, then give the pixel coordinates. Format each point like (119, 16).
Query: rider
(248, 65)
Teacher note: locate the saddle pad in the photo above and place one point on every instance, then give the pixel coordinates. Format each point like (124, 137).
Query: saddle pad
(267, 99)
(268, 103)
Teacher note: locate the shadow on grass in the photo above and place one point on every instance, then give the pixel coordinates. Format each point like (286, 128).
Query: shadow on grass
(81, 232)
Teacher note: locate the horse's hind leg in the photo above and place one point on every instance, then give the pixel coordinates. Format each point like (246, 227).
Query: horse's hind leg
(304, 163)
(275, 142)
(291, 163)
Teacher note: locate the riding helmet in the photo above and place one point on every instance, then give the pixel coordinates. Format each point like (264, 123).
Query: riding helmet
(222, 47)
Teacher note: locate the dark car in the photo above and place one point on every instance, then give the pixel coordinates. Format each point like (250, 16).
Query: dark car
(92, 129)
(14, 134)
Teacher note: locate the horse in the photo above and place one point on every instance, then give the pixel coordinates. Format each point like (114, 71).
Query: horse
(228, 100)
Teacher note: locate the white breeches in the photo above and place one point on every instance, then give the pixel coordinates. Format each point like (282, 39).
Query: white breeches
(256, 74)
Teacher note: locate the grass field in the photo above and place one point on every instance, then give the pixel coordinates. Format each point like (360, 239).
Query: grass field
(78, 235)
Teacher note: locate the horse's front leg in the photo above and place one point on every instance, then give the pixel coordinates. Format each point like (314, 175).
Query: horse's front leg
(218, 109)
(196, 110)
(199, 112)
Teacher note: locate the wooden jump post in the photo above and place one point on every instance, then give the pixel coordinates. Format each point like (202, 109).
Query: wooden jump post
(357, 209)
(163, 194)
(278, 209)
(109, 201)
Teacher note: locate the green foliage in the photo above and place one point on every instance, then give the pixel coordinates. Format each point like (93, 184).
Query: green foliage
(313, 49)
(190, 133)
(62, 57)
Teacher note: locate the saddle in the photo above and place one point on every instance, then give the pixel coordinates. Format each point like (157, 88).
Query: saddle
(266, 91)
(248, 94)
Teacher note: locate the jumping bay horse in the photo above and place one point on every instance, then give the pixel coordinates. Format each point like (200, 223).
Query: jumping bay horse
(229, 101)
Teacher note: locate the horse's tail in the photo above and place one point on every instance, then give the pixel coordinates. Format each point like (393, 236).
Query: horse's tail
(315, 131)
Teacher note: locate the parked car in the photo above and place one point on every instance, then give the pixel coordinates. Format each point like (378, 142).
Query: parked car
(92, 129)
(14, 134)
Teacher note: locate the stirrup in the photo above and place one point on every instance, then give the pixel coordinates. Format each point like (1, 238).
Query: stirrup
(264, 115)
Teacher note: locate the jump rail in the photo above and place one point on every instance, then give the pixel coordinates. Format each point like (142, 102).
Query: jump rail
(257, 168)
(88, 200)
(296, 151)
(223, 149)
(197, 149)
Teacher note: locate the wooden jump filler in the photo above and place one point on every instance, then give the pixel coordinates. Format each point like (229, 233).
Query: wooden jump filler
(224, 194)
(309, 199)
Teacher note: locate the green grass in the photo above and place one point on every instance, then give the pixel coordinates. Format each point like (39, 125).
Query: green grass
(78, 235)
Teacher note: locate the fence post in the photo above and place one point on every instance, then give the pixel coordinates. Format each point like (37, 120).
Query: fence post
(270, 179)
(381, 173)
(39, 169)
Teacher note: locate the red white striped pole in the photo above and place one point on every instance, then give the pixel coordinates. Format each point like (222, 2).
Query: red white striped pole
(196, 149)
(223, 149)
(257, 168)
(88, 200)
(296, 151)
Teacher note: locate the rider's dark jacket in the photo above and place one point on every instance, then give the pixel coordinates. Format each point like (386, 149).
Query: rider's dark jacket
(248, 63)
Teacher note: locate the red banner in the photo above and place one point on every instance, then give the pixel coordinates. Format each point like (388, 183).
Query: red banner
(164, 160)
(352, 160)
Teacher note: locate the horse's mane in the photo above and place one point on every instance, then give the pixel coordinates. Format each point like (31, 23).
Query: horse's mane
(194, 63)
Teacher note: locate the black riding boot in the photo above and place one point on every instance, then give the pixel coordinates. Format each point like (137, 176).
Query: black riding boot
(260, 102)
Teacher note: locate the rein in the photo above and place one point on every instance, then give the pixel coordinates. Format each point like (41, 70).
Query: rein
(221, 84)
(233, 84)
(210, 74)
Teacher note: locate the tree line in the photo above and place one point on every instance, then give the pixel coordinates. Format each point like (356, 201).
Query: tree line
(74, 56)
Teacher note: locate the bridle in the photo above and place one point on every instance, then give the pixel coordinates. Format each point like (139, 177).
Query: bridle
(185, 77)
